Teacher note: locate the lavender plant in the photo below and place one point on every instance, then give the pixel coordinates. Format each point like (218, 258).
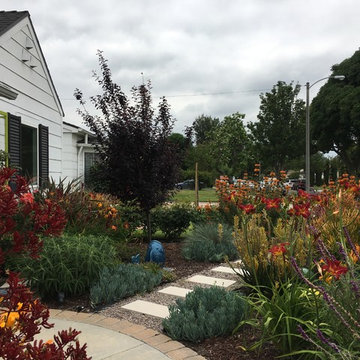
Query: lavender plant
(340, 296)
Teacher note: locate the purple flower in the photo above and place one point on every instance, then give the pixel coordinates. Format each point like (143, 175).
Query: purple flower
(303, 333)
(353, 247)
(326, 341)
(324, 251)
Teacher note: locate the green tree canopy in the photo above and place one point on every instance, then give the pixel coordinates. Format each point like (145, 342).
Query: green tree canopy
(335, 114)
(202, 128)
(279, 135)
(230, 145)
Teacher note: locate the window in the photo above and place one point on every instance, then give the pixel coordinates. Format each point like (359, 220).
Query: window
(28, 149)
(29, 153)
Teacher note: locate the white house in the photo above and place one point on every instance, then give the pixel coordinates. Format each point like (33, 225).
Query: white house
(78, 152)
(32, 131)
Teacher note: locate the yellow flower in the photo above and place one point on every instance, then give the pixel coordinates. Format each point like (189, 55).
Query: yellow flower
(8, 320)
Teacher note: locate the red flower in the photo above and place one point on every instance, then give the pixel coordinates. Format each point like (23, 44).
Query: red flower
(291, 212)
(302, 210)
(248, 208)
(278, 249)
(271, 203)
(334, 268)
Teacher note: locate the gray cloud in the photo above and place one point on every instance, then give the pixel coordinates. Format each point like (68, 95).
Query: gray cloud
(194, 47)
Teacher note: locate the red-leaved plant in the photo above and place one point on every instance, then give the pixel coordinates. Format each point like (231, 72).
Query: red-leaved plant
(22, 221)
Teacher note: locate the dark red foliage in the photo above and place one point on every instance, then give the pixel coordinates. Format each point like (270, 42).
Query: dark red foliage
(22, 221)
(21, 317)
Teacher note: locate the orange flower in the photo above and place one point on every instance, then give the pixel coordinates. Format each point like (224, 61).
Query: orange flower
(113, 227)
(278, 249)
(8, 319)
(27, 198)
(99, 205)
(126, 225)
(353, 256)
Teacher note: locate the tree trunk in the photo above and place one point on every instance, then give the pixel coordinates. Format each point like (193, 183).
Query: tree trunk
(148, 225)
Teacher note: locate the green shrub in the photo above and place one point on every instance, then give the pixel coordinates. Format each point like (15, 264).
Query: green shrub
(122, 281)
(172, 220)
(210, 242)
(204, 313)
(69, 264)
(207, 214)
(278, 316)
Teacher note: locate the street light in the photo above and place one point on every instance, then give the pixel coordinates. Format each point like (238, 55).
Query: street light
(307, 138)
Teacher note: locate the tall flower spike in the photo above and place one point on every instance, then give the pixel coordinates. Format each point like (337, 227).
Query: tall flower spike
(353, 247)
(326, 341)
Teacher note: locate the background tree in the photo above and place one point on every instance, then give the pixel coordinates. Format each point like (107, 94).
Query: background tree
(202, 128)
(230, 145)
(137, 159)
(335, 114)
(279, 135)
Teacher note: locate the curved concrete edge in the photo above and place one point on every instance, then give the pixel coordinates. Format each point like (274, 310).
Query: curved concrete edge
(172, 349)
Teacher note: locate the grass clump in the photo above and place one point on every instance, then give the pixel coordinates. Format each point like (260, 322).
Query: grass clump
(122, 281)
(210, 242)
(69, 264)
(204, 313)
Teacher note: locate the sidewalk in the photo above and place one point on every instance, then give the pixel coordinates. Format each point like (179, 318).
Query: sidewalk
(113, 339)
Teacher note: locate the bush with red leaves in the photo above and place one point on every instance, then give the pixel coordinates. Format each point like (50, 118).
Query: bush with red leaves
(22, 221)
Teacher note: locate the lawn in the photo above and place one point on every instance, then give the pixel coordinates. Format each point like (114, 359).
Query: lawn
(188, 196)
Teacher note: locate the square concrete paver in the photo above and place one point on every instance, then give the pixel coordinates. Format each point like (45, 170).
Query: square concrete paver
(223, 269)
(147, 307)
(174, 290)
(209, 280)
(228, 270)
(237, 262)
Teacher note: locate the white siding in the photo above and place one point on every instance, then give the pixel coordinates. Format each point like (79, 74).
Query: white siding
(37, 102)
(70, 155)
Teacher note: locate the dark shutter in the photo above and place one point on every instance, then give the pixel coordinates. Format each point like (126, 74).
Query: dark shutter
(14, 140)
(43, 154)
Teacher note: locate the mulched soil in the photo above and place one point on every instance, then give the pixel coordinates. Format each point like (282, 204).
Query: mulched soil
(220, 348)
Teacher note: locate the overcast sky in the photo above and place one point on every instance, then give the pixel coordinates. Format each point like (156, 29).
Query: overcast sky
(210, 57)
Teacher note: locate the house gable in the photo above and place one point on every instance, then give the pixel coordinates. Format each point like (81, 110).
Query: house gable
(23, 65)
(27, 93)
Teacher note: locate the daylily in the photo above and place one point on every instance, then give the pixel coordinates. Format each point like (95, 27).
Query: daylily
(278, 249)
(271, 203)
(248, 208)
(27, 198)
(302, 210)
(334, 268)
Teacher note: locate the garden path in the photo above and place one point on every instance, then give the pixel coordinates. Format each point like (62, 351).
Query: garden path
(157, 305)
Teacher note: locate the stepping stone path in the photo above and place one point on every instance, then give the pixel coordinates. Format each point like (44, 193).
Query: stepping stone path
(161, 311)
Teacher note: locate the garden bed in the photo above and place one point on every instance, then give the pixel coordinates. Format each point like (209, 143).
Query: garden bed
(229, 348)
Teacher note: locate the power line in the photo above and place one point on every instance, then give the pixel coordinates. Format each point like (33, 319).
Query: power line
(218, 93)
(209, 94)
